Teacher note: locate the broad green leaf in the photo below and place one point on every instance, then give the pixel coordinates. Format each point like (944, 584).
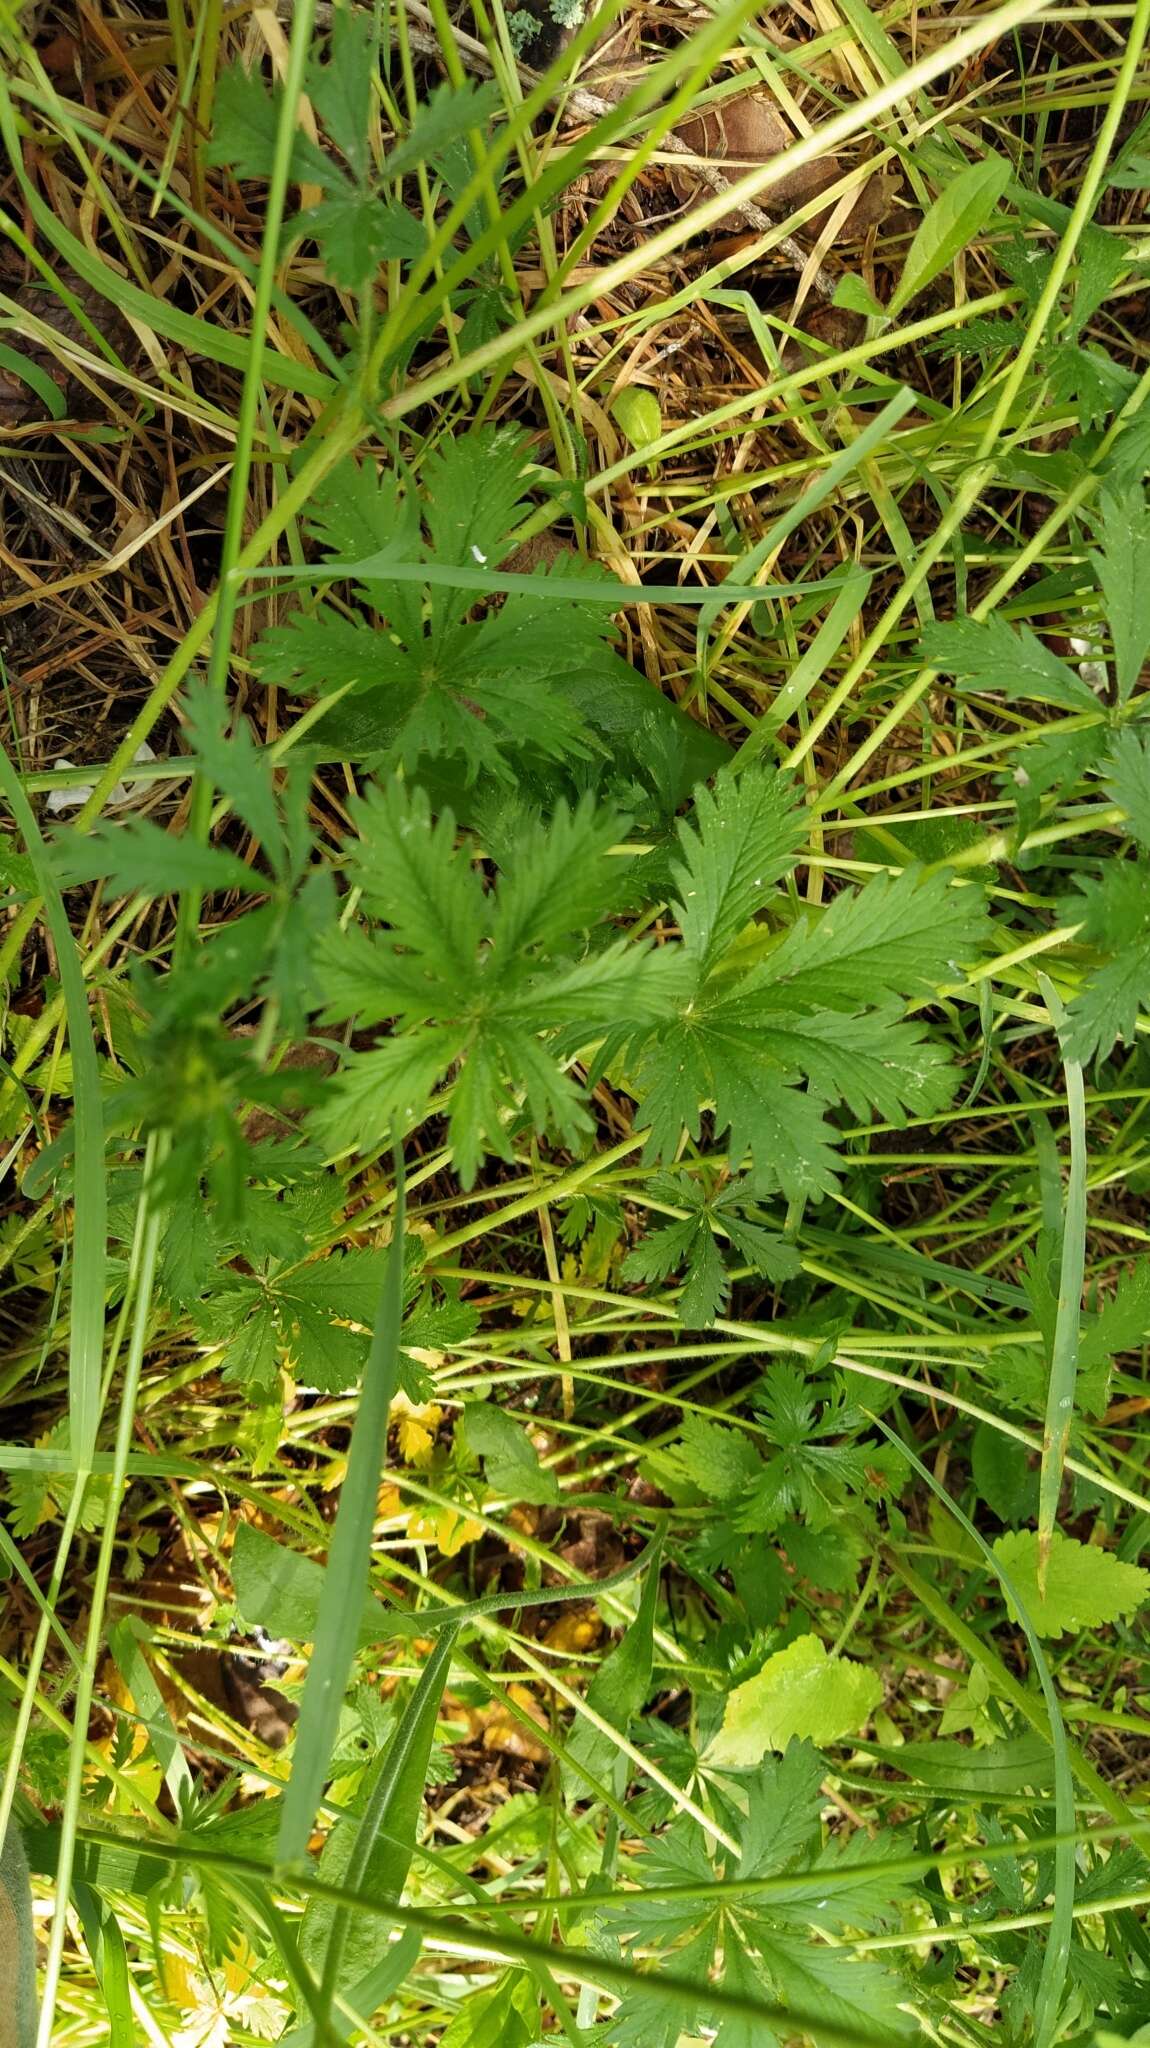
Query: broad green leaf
(636, 412)
(1086, 1587)
(954, 1770)
(367, 1994)
(37, 379)
(857, 297)
(800, 1691)
(959, 213)
(279, 1591)
(510, 1459)
(20, 1942)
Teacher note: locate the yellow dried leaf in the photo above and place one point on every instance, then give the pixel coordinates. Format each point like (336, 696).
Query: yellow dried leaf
(446, 1528)
(576, 1630)
(416, 1441)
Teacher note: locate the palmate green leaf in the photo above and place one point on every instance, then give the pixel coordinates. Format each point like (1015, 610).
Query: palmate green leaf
(236, 767)
(1127, 779)
(688, 1243)
(394, 1082)
(135, 854)
(749, 1035)
(469, 692)
(475, 495)
(510, 1461)
(1085, 1587)
(357, 233)
(841, 1990)
(738, 844)
(845, 1885)
(360, 512)
(800, 1691)
(1115, 914)
(876, 1061)
(1089, 380)
(340, 90)
(412, 873)
(900, 935)
(533, 682)
(449, 114)
(683, 1070)
(488, 975)
(1123, 569)
(1054, 763)
(720, 1463)
(1122, 1322)
(988, 654)
(784, 1800)
(691, 1242)
(245, 118)
(742, 1974)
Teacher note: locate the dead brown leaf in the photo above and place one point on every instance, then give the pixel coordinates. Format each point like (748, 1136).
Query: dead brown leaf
(748, 130)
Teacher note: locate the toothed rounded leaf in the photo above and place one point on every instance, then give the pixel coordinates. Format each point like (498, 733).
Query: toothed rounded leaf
(1085, 1586)
(801, 1691)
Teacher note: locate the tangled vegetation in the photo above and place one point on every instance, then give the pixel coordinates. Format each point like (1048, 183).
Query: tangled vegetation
(575, 618)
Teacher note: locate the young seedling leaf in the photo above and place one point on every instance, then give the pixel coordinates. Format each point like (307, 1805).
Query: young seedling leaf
(960, 212)
(800, 1692)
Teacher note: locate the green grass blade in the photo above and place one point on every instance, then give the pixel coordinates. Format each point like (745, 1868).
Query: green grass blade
(105, 1945)
(1071, 1276)
(90, 1196)
(199, 337)
(46, 388)
(1048, 2003)
(385, 1841)
(345, 1581)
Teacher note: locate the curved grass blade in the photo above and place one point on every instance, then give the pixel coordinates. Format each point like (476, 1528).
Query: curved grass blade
(37, 380)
